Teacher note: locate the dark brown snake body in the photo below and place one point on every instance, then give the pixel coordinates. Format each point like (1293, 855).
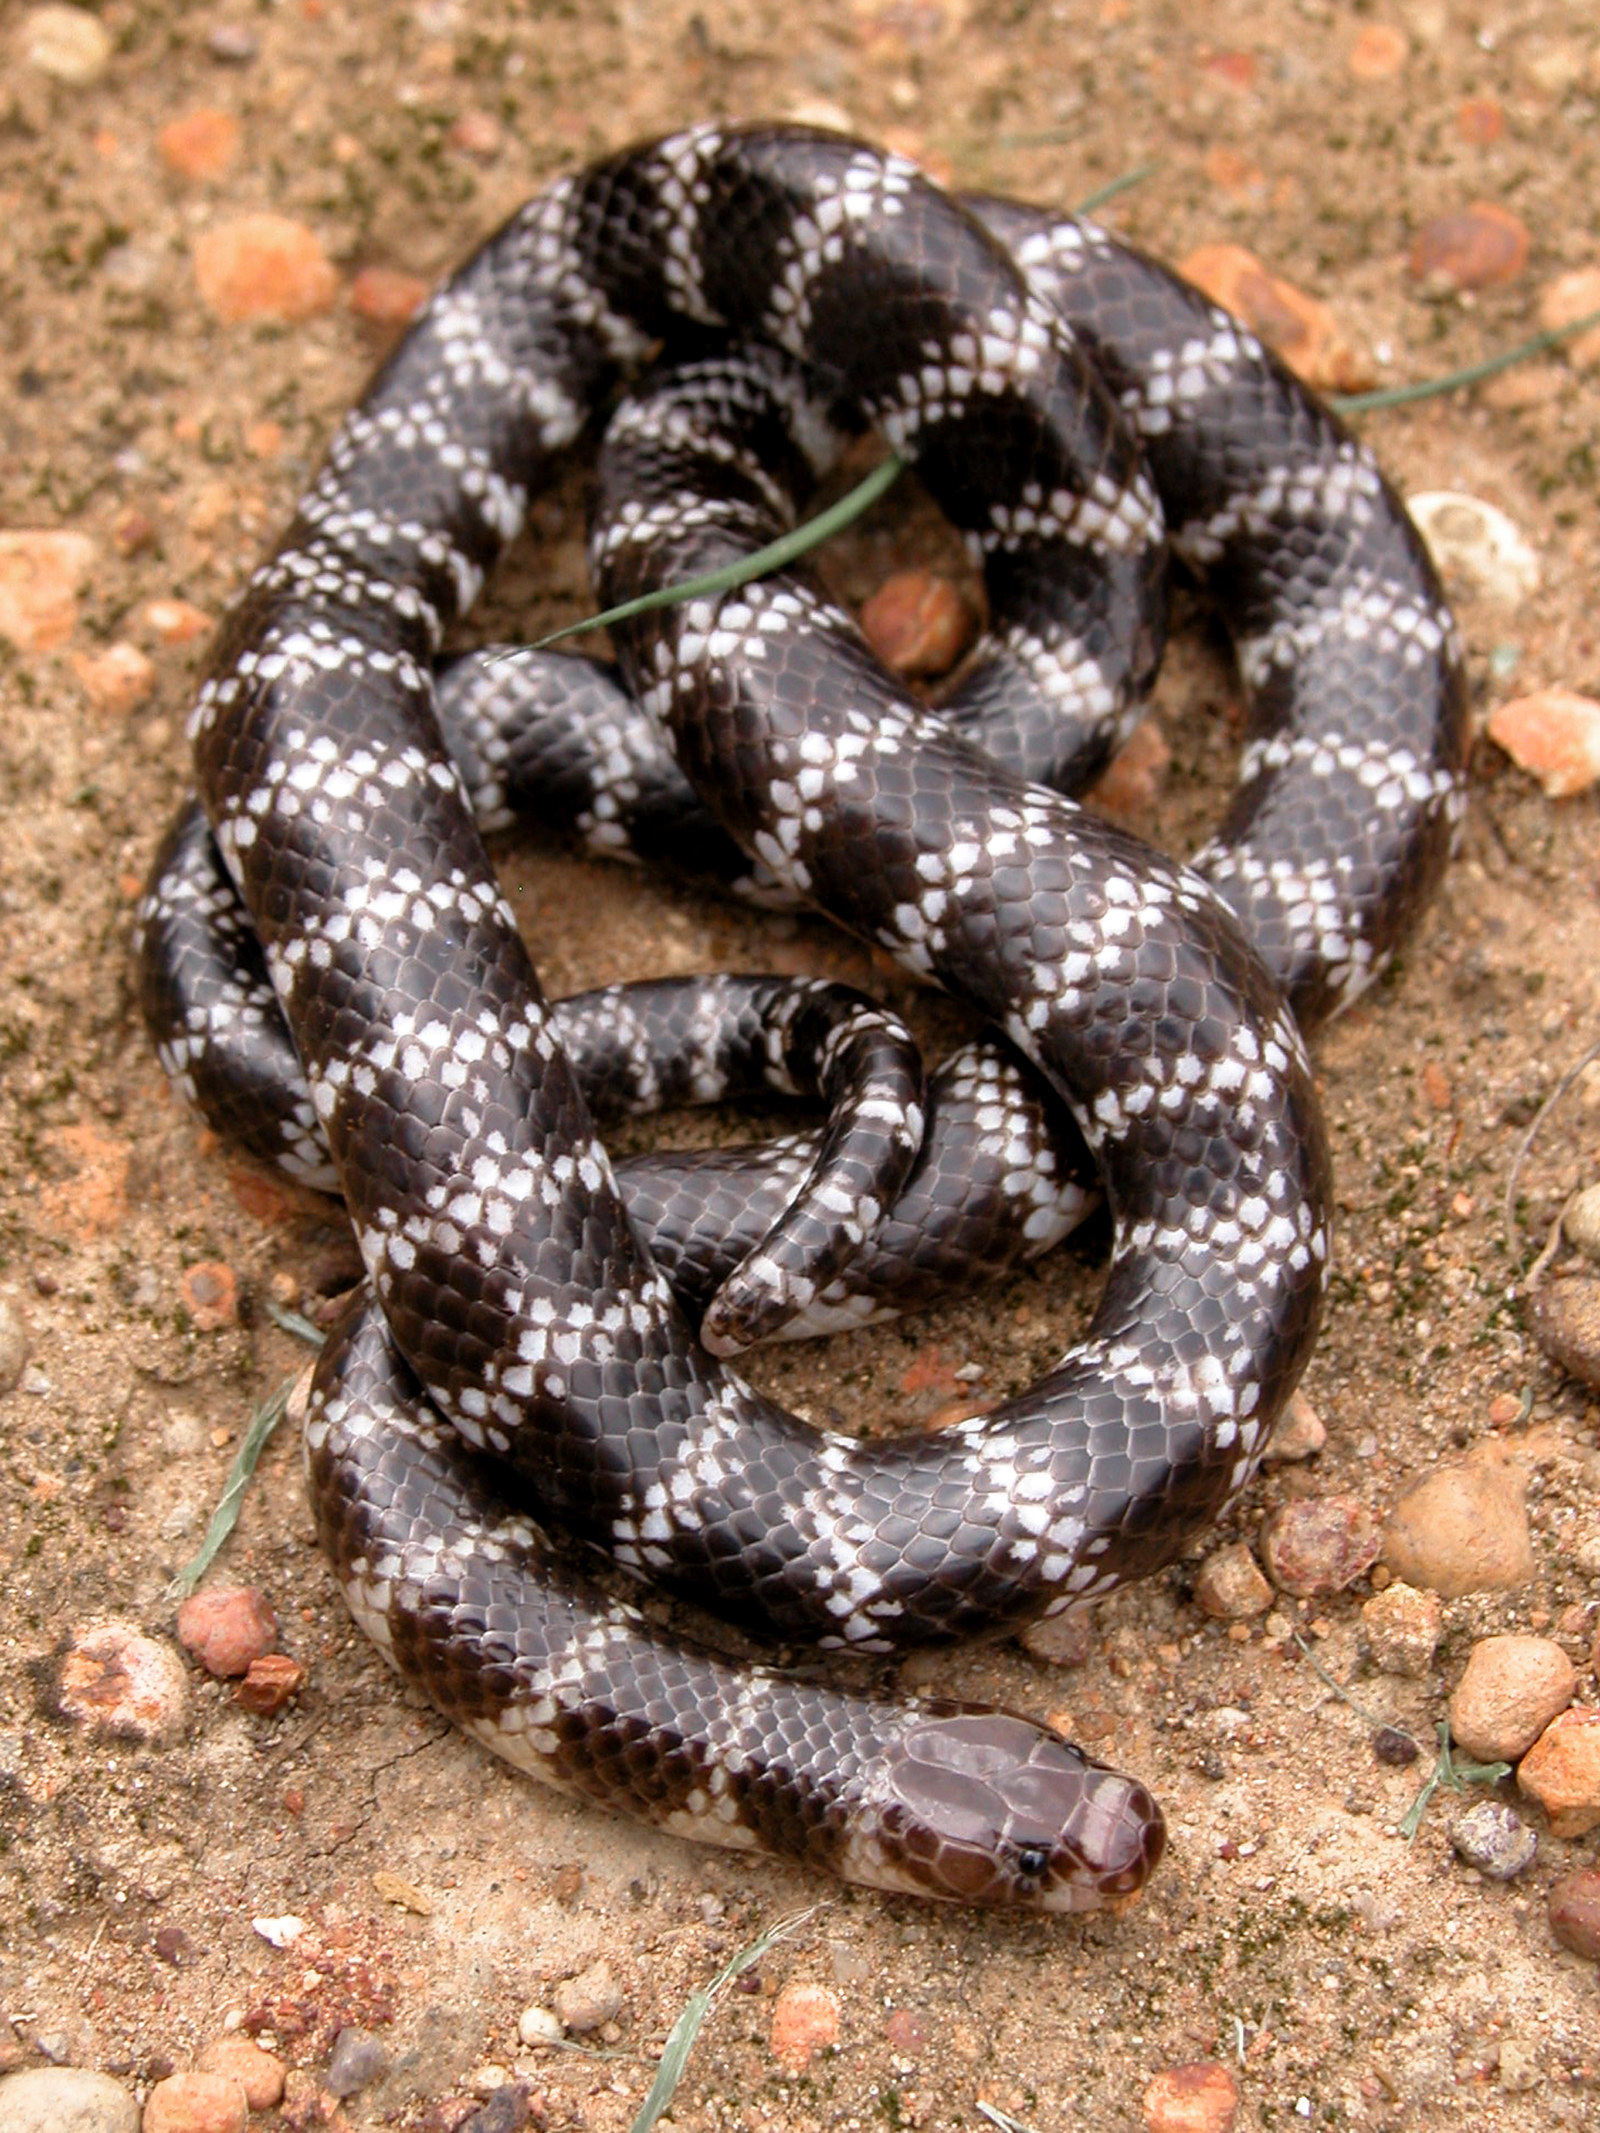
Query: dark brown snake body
(1061, 398)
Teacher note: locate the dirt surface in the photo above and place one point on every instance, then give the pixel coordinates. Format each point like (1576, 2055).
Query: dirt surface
(1361, 1981)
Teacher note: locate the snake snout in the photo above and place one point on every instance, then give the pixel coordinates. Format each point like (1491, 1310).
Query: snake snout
(995, 1809)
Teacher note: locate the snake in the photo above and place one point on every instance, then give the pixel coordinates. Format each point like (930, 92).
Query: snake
(517, 1366)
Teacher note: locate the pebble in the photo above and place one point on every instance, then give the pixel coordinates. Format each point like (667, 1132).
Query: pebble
(1061, 1640)
(1202, 2097)
(588, 2000)
(176, 621)
(210, 1295)
(281, 1932)
(1475, 544)
(1566, 1324)
(1519, 2067)
(263, 266)
(201, 144)
(1131, 782)
(1478, 247)
(387, 297)
(918, 623)
(1320, 1545)
(1480, 120)
(1463, 1528)
(1563, 302)
(233, 43)
(65, 2099)
(1561, 1771)
(41, 575)
(1402, 1627)
(1394, 1746)
(507, 2111)
(13, 1345)
(269, 1684)
(1554, 735)
(1379, 53)
(1575, 1912)
(1302, 328)
(538, 2025)
(1508, 1693)
(1581, 1222)
(1301, 1433)
(196, 2103)
(227, 1626)
(805, 2021)
(1495, 1840)
(119, 1683)
(357, 2060)
(478, 134)
(1230, 1587)
(67, 43)
(118, 679)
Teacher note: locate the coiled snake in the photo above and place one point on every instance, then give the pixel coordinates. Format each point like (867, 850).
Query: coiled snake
(1078, 414)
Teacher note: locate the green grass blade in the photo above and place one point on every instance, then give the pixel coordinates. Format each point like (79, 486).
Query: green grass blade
(1473, 374)
(777, 555)
(226, 1516)
(680, 2042)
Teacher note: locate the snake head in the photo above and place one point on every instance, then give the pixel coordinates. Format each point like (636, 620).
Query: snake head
(984, 1807)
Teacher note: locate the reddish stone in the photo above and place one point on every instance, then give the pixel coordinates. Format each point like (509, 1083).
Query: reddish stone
(1554, 735)
(227, 1628)
(1320, 1545)
(1479, 247)
(1378, 53)
(263, 266)
(1202, 2097)
(118, 679)
(270, 1684)
(386, 297)
(805, 2021)
(202, 144)
(1300, 327)
(176, 621)
(196, 2103)
(918, 623)
(41, 574)
(210, 1295)
(1481, 121)
(1575, 1912)
(119, 1682)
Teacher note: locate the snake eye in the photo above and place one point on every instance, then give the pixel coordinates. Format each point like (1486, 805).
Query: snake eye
(1032, 1860)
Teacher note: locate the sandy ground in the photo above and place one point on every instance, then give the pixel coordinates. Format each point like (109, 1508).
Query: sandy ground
(1367, 1983)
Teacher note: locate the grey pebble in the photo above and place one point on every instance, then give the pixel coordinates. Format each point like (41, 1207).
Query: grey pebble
(233, 43)
(505, 2112)
(13, 1344)
(65, 2099)
(357, 2060)
(1494, 1840)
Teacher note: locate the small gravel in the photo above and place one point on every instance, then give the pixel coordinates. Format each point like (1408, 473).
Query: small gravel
(1401, 1626)
(1575, 1912)
(1511, 1689)
(358, 2059)
(1463, 1529)
(590, 1999)
(1495, 1840)
(65, 2099)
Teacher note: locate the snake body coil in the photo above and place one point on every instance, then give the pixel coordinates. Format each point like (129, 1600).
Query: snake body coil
(1073, 409)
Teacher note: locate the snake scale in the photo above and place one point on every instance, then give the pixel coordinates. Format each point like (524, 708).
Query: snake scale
(1082, 418)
